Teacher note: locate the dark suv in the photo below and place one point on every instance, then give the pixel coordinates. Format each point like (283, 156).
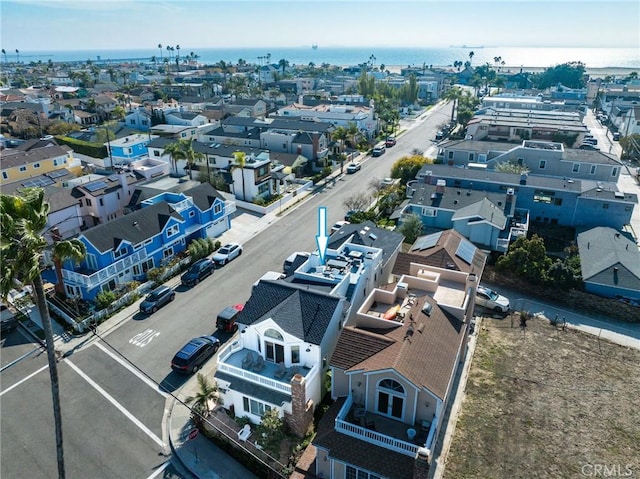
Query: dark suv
(193, 354)
(198, 271)
(157, 299)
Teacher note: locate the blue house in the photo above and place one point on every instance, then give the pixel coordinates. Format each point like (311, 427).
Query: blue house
(129, 148)
(126, 248)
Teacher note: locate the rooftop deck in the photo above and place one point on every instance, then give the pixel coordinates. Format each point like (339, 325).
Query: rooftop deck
(233, 361)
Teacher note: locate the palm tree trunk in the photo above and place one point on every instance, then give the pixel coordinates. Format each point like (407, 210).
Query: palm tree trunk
(38, 289)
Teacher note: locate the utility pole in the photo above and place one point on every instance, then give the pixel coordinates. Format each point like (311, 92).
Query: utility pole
(109, 147)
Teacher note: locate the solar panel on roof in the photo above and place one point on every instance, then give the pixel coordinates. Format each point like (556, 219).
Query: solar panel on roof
(466, 250)
(57, 174)
(113, 178)
(96, 186)
(428, 241)
(34, 182)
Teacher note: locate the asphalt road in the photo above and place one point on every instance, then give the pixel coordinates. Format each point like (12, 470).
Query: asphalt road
(114, 392)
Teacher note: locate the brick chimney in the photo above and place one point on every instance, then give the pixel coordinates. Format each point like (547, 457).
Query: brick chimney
(441, 186)
(301, 415)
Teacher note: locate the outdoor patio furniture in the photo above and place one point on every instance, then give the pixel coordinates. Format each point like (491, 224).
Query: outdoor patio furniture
(258, 364)
(281, 371)
(248, 360)
(244, 433)
(293, 370)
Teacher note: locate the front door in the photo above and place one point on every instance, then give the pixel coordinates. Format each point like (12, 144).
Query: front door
(275, 352)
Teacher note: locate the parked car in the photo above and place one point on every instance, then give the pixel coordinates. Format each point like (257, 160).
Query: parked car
(226, 320)
(591, 141)
(352, 168)
(379, 149)
(387, 182)
(227, 253)
(390, 141)
(488, 298)
(9, 320)
(338, 225)
(616, 136)
(291, 259)
(588, 146)
(439, 135)
(156, 299)
(198, 271)
(194, 354)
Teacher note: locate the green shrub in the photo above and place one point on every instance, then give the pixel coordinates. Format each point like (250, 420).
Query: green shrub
(104, 299)
(154, 274)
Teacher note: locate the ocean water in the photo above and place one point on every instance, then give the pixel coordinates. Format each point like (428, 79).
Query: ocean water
(411, 56)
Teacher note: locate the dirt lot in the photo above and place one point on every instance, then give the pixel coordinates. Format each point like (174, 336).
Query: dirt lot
(547, 403)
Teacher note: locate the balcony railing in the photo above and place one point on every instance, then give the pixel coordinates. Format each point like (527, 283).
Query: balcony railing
(372, 437)
(255, 378)
(103, 275)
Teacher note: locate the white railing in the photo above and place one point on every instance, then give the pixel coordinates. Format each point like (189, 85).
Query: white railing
(182, 205)
(372, 437)
(502, 245)
(106, 273)
(254, 378)
(229, 207)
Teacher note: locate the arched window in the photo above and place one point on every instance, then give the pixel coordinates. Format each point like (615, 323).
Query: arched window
(272, 333)
(390, 398)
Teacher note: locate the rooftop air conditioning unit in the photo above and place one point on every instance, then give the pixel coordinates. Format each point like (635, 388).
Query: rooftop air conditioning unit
(402, 290)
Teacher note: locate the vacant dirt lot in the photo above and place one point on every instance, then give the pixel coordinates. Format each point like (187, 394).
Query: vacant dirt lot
(547, 403)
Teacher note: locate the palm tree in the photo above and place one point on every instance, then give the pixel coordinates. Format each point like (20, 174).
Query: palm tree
(4, 52)
(240, 158)
(177, 57)
(175, 152)
(160, 48)
(283, 64)
(453, 94)
(169, 50)
(206, 393)
(457, 64)
(24, 218)
(17, 56)
(471, 55)
(191, 155)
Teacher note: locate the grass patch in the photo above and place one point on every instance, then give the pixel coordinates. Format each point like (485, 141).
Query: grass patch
(543, 403)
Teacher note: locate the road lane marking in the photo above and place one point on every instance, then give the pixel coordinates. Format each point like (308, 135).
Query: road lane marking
(132, 369)
(25, 355)
(23, 380)
(118, 406)
(159, 470)
(144, 338)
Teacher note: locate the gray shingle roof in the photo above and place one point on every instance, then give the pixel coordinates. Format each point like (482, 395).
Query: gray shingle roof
(303, 313)
(602, 250)
(134, 228)
(484, 209)
(203, 195)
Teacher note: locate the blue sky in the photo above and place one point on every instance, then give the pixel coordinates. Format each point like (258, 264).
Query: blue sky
(36, 25)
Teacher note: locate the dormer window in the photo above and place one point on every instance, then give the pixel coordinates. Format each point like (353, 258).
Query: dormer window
(172, 230)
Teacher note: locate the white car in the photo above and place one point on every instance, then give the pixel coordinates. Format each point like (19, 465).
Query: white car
(352, 168)
(227, 253)
(338, 225)
(489, 299)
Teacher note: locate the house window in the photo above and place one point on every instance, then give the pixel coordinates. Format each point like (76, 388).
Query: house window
(36, 165)
(23, 168)
(295, 354)
(167, 253)
(217, 208)
(451, 155)
(543, 164)
(92, 263)
(542, 196)
(145, 122)
(520, 161)
(172, 230)
(141, 268)
(390, 398)
(121, 252)
(355, 473)
(5, 175)
(255, 407)
(148, 242)
(263, 188)
(429, 212)
(470, 157)
(127, 151)
(576, 168)
(88, 202)
(558, 202)
(593, 170)
(183, 135)
(156, 153)
(614, 171)
(101, 202)
(192, 214)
